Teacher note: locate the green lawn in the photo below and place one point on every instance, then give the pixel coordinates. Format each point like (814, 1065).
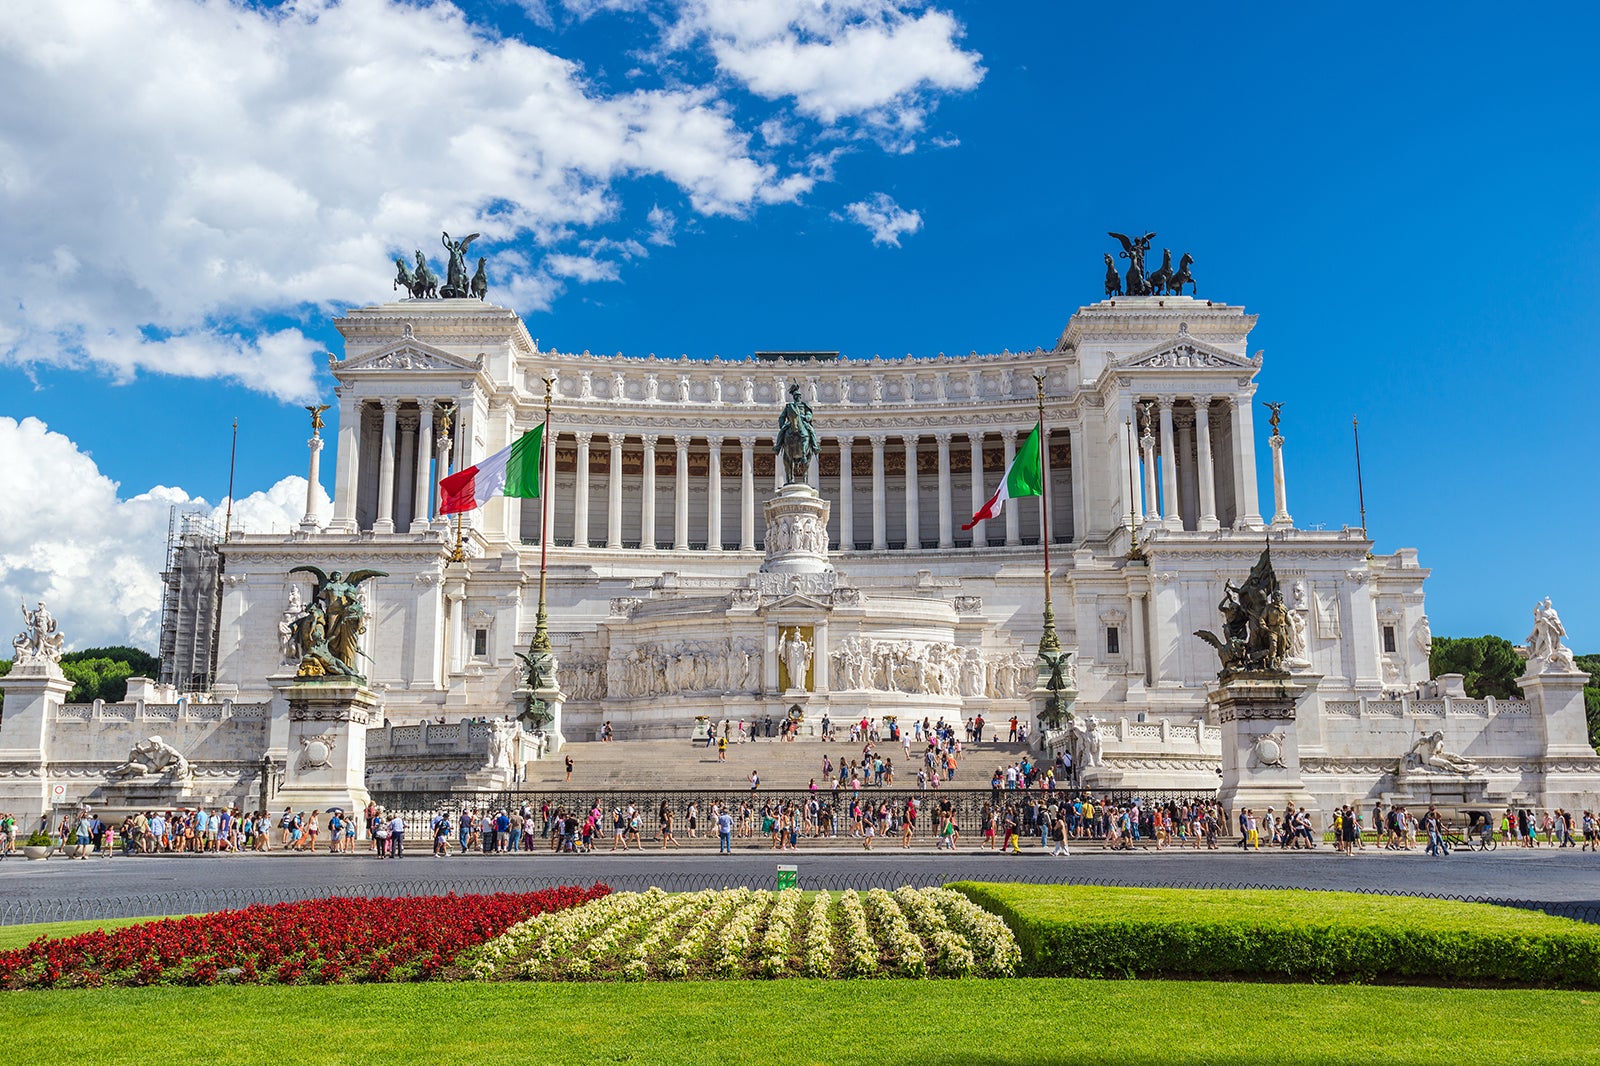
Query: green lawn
(1024, 1022)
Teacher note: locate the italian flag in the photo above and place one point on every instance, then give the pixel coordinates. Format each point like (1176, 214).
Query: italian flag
(512, 471)
(1025, 477)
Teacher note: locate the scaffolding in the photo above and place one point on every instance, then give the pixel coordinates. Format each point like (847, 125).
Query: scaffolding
(191, 601)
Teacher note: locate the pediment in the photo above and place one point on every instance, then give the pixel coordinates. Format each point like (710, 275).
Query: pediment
(409, 354)
(799, 601)
(1186, 353)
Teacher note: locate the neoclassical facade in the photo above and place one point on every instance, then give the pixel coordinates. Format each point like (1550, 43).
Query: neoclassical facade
(663, 469)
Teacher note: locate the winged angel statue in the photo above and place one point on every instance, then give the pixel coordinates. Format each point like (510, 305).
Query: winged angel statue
(329, 630)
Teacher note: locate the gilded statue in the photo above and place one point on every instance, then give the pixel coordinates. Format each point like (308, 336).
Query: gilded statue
(1257, 630)
(329, 631)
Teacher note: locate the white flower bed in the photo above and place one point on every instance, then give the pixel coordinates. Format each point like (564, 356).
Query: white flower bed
(736, 933)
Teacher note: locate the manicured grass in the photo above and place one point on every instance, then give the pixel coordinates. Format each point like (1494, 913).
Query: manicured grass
(16, 936)
(1084, 931)
(773, 1023)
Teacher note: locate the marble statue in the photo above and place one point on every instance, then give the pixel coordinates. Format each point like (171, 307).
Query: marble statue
(795, 651)
(502, 744)
(330, 630)
(1545, 650)
(1428, 753)
(1086, 743)
(1425, 636)
(41, 640)
(1297, 640)
(150, 758)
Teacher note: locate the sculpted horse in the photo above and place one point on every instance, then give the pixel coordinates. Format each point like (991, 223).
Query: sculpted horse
(1182, 277)
(1113, 279)
(425, 282)
(480, 280)
(403, 278)
(1161, 280)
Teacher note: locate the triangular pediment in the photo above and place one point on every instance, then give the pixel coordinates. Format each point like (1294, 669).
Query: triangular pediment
(798, 601)
(1186, 353)
(410, 355)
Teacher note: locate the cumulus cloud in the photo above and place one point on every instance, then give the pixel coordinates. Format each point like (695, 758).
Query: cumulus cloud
(878, 60)
(886, 220)
(68, 536)
(181, 183)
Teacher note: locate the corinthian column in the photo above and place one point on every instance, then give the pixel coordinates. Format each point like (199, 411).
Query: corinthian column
(847, 496)
(385, 520)
(1147, 444)
(714, 496)
(422, 495)
(880, 518)
(747, 494)
(614, 493)
(975, 446)
(1013, 514)
(349, 465)
(1169, 469)
(680, 495)
(913, 504)
(1208, 475)
(947, 537)
(580, 505)
(647, 494)
(1280, 489)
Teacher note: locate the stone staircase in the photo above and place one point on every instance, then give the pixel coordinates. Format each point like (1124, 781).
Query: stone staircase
(680, 764)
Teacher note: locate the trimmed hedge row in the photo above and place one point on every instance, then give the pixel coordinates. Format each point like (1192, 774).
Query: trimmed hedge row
(1083, 931)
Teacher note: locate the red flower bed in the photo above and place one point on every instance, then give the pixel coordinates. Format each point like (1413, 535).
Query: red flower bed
(406, 938)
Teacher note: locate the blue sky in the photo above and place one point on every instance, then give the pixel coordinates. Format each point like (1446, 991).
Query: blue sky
(1407, 198)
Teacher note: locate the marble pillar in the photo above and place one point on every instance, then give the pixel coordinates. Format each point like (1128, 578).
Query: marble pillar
(680, 495)
(1244, 464)
(1013, 514)
(384, 523)
(647, 495)
(580, 501)
(422, 495)
(947, 536)
(714, 495)
(979, 498)
(880, 516)
(348, 470)
(1206, 463)
(847, 496)
(747, 494)
(913, 503)
(614, 492)
(310, 522)
(1280, 491)
(1170, 516)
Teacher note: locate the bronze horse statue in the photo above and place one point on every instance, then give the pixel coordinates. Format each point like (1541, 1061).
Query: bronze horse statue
(403, 278)
(1161, 279)
(1113, 279)
(480, 280)
(425, 282)
(1182, 276)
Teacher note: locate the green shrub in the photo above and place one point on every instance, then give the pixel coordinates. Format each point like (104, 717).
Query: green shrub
(1081, 931)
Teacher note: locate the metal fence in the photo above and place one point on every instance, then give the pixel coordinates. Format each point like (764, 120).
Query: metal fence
(201, 901)
(969, 806)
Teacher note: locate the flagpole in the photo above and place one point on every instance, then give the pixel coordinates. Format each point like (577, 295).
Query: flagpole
(1361, 491)
(1049, 643)
(540, 645)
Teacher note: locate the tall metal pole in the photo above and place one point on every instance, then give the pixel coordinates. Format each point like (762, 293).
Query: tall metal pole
(1049, 643)
(1361, 492)
(540, 644)
(233, 454)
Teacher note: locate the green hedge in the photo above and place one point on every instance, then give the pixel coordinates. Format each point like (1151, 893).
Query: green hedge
(1082, 931)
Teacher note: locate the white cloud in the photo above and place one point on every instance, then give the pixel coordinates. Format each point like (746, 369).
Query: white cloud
(871, 59)
(181, 182)
(183, 171)
(68, 537)
(886, 220)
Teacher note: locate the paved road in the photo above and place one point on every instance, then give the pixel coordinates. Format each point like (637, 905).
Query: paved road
(1542, 875)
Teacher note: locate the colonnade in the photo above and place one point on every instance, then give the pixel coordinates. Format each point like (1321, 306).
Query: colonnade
(1174, 448)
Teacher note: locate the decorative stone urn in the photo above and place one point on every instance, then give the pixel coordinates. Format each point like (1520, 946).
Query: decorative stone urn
(35, 851)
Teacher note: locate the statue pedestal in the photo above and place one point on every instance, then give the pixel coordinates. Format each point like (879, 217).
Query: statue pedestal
(34, 690)
(327, 763)
(1260, 744)
(797, 531)
(1558, 695)
(119, 798)
(554, 699)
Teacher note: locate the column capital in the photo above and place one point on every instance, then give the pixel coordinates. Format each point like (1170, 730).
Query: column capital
(878, 440)
(846, 442)
(389, 403)
(1165, 400)
(1202, 403)
(943, 437)
(747, 443)
(583, 437)
(649, 439)
(682, 444)
(615, 440)
(714, 445)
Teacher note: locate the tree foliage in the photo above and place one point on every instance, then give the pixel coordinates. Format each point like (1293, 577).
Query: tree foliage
(102, 673)
(1491, 664)
(1590, 664)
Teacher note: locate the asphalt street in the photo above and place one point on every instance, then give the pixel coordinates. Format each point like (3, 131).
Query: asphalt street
(1545, 874)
